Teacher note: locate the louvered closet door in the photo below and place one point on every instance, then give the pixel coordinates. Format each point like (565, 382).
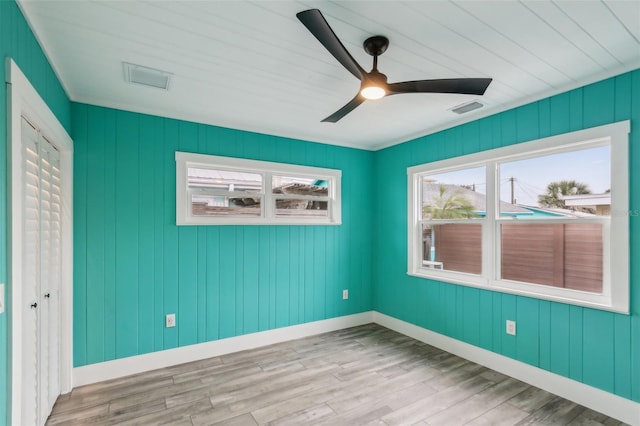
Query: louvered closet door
(41, 275)
(30, 273)
(50, 248)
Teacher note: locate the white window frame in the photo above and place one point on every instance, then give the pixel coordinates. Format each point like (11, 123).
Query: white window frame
(184, 216)
(615, 294)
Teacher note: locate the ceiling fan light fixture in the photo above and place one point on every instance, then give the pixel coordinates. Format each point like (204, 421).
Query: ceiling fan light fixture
(373, 92)
(374, 86)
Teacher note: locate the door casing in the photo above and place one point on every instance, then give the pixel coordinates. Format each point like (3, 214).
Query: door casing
(23, 100)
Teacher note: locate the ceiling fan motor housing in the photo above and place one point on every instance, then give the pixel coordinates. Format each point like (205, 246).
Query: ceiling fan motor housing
(376, 45)
(375, 77)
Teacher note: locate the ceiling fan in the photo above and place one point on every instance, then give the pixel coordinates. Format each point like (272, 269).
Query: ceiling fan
(373, 83)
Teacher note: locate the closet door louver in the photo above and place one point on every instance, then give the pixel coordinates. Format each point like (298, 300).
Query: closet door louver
(30, 272)
(55, 277)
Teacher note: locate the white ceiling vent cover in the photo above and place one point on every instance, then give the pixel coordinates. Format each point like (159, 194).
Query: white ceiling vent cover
(145, 76)
(466, 107)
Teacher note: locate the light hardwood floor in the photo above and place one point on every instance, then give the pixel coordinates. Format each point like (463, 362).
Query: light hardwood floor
(365, 375)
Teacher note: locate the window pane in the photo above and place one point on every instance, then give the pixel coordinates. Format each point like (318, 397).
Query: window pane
(559, 255)
(220, 205)
(453, 247)
(300, 186)
(223, 180)
(576, 183)
(305, 208)
(454, 195)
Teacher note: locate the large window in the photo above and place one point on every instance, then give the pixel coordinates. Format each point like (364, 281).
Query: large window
(231, 191)
(546, 218)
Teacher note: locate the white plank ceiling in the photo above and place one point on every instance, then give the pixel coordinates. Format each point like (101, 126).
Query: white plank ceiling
(254, 66)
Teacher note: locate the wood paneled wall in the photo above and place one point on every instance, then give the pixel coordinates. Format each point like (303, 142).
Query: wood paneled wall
(133, 264)
(596, 347)
(18, 42)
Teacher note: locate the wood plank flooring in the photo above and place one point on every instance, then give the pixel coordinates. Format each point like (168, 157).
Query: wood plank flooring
(365, 375)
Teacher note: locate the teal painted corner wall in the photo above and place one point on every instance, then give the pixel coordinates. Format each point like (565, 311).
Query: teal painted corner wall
(17, 42)
(133, 265)
(598, 348)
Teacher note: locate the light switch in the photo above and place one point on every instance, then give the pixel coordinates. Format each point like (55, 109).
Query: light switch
(1, 298)
(170, 320)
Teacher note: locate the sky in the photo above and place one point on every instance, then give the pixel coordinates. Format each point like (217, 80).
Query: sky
(531, 176)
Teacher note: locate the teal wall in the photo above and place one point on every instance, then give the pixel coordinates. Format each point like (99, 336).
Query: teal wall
(599, 348)
(133, 265)
(18, 42)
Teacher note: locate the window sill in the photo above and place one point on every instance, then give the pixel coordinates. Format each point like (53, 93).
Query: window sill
(561, 295)
(256, 222)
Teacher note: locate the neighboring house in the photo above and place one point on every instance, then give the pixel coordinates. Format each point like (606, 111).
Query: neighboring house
(431, 193)
(224, 192)
(601, 203)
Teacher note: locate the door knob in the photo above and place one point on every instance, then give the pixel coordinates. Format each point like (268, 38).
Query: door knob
(48, 295)
(34, 305)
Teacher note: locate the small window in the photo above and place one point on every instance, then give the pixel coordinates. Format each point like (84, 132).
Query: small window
(546, 218)
(232, 191)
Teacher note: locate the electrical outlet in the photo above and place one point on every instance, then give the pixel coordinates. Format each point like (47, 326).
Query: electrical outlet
(170, 320)
(511, 327)
(345, 294)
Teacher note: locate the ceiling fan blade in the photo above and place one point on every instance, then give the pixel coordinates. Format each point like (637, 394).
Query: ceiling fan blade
(319, 27)
(467, 86)
(353, 103)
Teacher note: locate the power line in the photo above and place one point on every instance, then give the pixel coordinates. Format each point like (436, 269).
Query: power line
(530, 194)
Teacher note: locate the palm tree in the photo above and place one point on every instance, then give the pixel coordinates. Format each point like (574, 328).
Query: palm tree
(556, 190)
(452, 205)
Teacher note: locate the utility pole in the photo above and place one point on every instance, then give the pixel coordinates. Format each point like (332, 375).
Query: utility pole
(513, 197)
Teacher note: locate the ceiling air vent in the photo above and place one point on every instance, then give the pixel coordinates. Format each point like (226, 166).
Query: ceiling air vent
(466, 107)
(145, 76)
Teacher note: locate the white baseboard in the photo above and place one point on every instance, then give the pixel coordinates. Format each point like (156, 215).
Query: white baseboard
(108, 370)
(607, 403)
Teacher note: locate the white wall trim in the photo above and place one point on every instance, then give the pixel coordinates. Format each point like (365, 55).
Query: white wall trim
(607, 403)
(108, 370)
(24, 100)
